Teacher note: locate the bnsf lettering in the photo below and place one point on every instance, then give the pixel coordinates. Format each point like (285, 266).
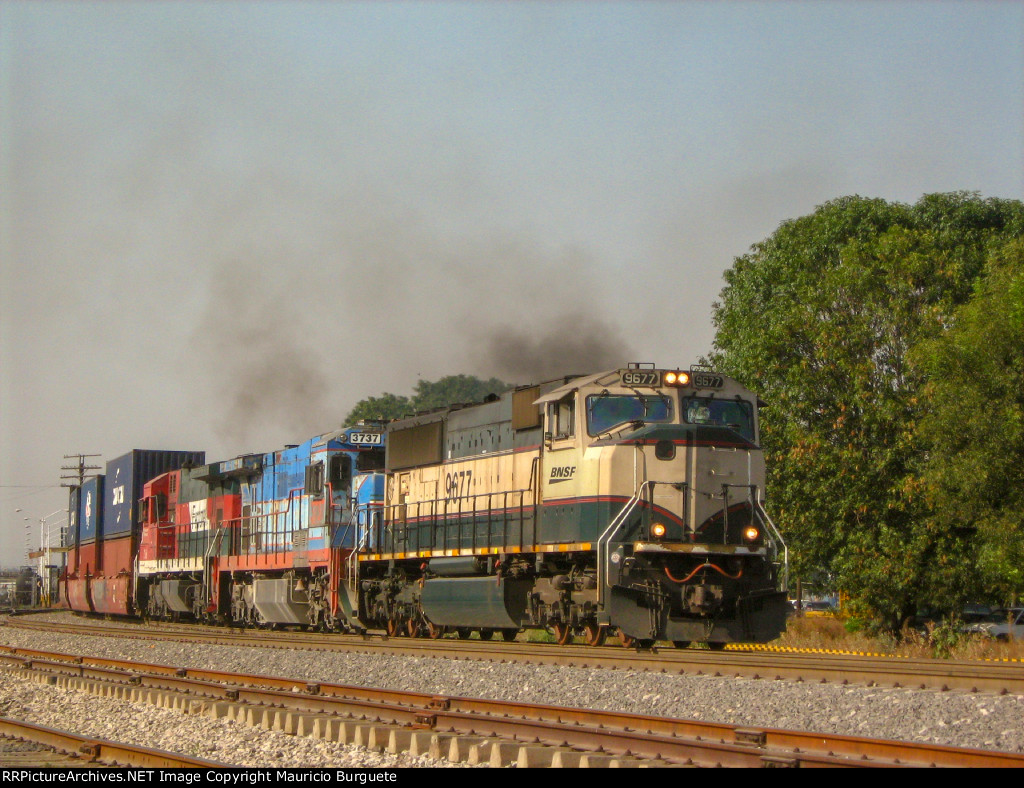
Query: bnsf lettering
(563, 471)
(118, 495)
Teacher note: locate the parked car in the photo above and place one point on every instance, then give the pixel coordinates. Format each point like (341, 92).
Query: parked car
(816, 607)
(974, 614)
(1001, 624)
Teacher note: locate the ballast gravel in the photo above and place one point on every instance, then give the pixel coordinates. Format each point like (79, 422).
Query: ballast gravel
(958, 719)
(212, 740)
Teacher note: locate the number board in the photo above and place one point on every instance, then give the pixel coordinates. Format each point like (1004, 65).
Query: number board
(641, 377)
(366, 438)
(708, 380)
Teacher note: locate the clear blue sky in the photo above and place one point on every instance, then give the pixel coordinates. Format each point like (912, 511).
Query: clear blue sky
(223, 223)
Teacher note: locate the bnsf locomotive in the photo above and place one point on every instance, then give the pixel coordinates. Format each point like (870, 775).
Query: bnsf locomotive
(630, 501)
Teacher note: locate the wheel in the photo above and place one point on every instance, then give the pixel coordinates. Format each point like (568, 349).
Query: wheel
(681, 643)
(716, 646)
(434, 631)
(412, 629)
(563, 634)
(508, 635)
(626, 640)
(392, 628)
(486, 634)
(595, 634)
(464, 633)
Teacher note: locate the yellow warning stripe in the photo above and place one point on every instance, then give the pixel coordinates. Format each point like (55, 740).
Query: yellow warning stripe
(841, 652)
(537, 548)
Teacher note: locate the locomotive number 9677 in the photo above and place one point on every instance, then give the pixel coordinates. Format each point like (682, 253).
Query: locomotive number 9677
(708, 380)
(458, 484)
(641, 377)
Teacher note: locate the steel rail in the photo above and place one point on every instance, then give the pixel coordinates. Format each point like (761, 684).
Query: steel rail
(91, 749)
(978, 676)
(676, 740)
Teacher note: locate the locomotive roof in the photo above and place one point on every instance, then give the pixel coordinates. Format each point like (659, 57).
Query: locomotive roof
(577, 383)
(573, 385)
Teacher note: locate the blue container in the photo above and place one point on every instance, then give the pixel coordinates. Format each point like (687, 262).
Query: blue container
(90, 510)
(125, 477)
(74, 505)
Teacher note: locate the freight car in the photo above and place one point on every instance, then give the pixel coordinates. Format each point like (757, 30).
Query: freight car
(628, 501)
(104, 532)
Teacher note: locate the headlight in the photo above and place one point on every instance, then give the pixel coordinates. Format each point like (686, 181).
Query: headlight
(751, 533)
(677, 378)
(658, 531)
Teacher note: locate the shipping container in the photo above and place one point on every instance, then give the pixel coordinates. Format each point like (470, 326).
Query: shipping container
(90, 510)
(74, 507)
(125, 477)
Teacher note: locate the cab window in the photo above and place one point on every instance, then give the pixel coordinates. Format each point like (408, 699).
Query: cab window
(562, 418)
(370, 460)
(315, 479)
(607, 411)
(341, 473)
(737, 415)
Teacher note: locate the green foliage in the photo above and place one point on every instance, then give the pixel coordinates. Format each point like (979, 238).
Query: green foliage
(385, 407)
(976, 382)
(454, 389)
(824, 319)
(945, 638)
(429, 395)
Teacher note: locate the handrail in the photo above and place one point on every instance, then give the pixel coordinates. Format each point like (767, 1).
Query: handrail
(604, 541)
(766, 520)
(469, 522)
(212, 546)
(775, 538)
(370, 526)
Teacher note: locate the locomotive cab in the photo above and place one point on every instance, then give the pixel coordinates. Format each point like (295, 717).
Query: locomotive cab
(662, 471)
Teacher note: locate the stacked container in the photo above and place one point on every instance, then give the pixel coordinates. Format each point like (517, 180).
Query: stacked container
(100, 570)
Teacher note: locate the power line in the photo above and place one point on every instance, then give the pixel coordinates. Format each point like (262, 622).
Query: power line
(79, 471)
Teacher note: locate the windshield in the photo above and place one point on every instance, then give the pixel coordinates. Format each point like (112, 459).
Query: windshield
(734, 414)
(605, 411)
(1003, 616)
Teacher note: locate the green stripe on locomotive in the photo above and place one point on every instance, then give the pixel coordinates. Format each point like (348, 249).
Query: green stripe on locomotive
(570, 522)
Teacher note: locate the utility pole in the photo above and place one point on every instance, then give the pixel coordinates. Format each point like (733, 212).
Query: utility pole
(79, 471)
(74, 477)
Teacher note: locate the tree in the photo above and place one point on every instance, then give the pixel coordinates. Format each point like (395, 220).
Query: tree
(974, 429)
(429, 395)
(821, 320)
(385, 407)
(454, 389)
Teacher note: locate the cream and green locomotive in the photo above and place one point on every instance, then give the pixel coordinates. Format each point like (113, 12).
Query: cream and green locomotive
(629, 501)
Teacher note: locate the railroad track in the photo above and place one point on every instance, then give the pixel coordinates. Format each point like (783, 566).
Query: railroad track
(500, 733)
(27, 746)
(975, 676)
